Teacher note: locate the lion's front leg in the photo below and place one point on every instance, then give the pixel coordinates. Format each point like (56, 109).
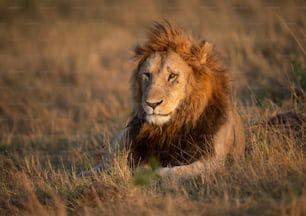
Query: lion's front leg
(196, 168)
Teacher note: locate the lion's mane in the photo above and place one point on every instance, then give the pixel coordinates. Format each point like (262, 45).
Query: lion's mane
(188, 136)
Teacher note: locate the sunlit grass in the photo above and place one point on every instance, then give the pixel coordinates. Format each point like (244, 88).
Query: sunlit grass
(64, 93)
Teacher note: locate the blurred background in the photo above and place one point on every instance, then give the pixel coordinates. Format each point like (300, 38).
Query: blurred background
(64, 93)
(65, 64)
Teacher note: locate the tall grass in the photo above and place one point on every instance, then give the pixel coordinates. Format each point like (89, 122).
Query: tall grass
(64, 71)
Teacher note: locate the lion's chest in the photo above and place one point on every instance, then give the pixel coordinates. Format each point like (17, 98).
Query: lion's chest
(171, 149)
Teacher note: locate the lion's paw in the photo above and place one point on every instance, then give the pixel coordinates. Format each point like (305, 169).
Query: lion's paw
(163, 172)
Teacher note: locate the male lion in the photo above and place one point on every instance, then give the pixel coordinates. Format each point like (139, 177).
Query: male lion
(182, 112)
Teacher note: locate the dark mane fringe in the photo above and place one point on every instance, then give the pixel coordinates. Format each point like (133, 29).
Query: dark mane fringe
(188, 136)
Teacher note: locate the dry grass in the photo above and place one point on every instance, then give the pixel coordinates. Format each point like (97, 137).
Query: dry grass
(64, 70)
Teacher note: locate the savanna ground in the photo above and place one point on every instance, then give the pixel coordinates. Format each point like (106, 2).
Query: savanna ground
(64, 70)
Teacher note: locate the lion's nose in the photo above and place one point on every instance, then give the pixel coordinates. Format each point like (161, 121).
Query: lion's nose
(154, 105)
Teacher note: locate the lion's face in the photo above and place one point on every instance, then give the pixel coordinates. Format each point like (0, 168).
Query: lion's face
(164, 77)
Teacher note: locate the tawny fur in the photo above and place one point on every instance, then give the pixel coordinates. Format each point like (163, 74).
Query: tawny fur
(205, 125)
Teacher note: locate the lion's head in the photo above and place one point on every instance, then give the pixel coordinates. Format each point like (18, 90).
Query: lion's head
(175, 77)
(164, 85)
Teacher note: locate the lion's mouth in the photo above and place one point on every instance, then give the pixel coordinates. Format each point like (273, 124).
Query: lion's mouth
(158, 114)
(158, 119)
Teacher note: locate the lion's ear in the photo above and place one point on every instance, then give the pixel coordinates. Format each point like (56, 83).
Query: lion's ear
(204, 51)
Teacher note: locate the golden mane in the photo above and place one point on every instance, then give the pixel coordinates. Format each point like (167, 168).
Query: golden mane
(189, 133)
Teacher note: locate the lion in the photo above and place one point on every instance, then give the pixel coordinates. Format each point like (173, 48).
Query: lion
(182, 114)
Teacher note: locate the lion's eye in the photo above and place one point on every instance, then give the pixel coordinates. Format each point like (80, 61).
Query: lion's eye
(146, 76)
(172, 76)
